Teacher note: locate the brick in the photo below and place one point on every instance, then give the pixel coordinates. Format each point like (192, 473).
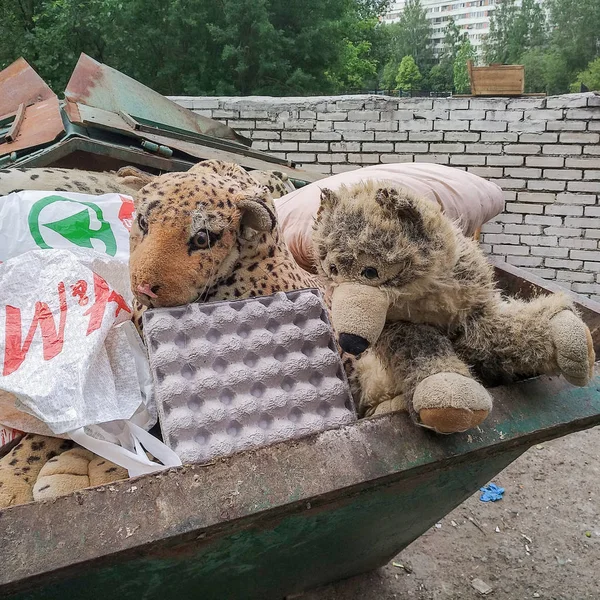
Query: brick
(422, 103)
(550, 252)
(398, 158)
(377, 147)
(349, 104)
(583, 113)
(522, 229)
(348, 126)
(301, 157)
(509, 218)
(579, 138)
(343, 168)
(283, 146)
(253, 114)
(525, 208)
(510, 196)
(487, 104)
(403, 115)
(451, 125)
(573, 276)
(324, 169)
(539, 240)
(562, 149)
(434, 114)
(583, 163)
(592, 266)
(363, 158)
(325, 136)
(258, 145)
(362, 115)
(527, 126)
(587, 223)
(515, 250)
(205, 103)
(567, 101)
(268, 125)
(544, 273)
(450, 148)
(303, 124)
(426, 136)
(492, 228)
(522, 172)
(522, 149)
(438, 159)
(565, 210)
(510, 184)
(543, 115)
(545, 161)
(307, 114)
(591, 174)
(266, 135)
(391, 136)
(333, 116)
(563, 231)
(542, 220)
(592, 211)
(567, 198)
(557, 263)
(468, 160)
(461, 136)
(486, 171)
(501, 238)
(536, 197)
(467, 114)
(584, 186)
(592, 125)
(522, 103)
(586, 288)
(566, 125)
(331, 158)
(505, 161)
(567, 174)
(295, 135)
(488, 126)
(348, 146)
(546, 185)
(525, 261)
(592, 234)
(410, 147)
(484, 149)
(591, 149)
(578, 243)
(499, 137)
(382, 126)
(540, 137)
(314, 147)
(417, 125)
(225, 114)
(452, 103)
(358, 136)
(504, 115)
(485, 248)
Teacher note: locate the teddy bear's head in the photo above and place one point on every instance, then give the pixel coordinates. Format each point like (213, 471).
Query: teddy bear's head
(375, 243)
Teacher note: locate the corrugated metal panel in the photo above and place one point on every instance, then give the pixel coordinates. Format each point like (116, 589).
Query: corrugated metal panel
(20, 84)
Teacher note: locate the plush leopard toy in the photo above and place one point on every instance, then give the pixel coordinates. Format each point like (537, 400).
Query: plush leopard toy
(217, 225)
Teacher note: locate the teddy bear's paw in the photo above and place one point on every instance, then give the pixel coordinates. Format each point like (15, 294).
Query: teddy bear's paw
(574, 347)
(451, 403)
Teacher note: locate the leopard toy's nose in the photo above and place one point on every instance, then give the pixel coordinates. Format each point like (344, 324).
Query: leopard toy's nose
(147, 290)
(353, 344)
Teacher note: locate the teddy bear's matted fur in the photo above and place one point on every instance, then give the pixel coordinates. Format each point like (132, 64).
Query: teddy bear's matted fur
(409, 286)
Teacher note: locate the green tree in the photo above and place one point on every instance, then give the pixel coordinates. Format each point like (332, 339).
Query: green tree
(453, 40)
(409, 76)
(545, 71)
(590, 77)
(465, 53)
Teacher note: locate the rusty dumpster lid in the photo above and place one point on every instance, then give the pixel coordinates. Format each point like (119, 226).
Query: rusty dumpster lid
(108, 120)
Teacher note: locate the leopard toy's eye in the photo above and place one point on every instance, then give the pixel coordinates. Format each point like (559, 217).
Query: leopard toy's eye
(200, 241)
(370, 273)
(143, 224)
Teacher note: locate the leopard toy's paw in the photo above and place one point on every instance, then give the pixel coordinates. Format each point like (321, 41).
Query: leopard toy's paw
(575, 355)
(450, 403)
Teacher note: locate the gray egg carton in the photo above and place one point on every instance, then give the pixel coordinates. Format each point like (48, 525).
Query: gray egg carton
(231, 376)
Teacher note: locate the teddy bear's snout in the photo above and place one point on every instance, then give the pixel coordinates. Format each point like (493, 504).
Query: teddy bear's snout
(353, 344)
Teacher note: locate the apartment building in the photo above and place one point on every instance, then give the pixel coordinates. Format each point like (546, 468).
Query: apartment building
(472, 16)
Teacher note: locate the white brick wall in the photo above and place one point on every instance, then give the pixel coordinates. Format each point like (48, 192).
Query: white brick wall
(544, 153)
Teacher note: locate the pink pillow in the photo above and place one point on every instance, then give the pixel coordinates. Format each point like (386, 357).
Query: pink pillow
(467, 199)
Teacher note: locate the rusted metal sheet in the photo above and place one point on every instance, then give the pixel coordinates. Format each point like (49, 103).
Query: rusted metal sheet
(98, 85)
(41, 124)
(20, 84)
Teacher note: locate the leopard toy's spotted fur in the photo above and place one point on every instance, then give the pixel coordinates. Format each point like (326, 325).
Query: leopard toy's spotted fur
(247, 257)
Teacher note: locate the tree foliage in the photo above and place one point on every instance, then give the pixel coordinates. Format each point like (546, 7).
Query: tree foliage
(409, 77)
(590, 77)
(465, 53)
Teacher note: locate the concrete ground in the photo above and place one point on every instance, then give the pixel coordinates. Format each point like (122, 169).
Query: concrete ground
(542, 540)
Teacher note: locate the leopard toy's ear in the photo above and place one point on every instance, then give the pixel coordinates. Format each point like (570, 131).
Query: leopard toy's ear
(255, 209)
(329, 200)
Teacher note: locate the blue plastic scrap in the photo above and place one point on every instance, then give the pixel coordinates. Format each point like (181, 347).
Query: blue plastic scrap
(491, 493)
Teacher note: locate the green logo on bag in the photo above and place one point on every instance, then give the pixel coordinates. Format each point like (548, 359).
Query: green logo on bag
(75, 228)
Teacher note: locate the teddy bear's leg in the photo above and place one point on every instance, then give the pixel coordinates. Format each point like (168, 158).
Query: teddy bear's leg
(20, 468)
(74, 470)
(438, 388)
(523, 338)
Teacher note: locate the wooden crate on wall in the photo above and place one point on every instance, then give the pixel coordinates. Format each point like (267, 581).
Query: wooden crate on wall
(497, 80)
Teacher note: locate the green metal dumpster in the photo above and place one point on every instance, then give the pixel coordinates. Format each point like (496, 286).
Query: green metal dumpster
(276, 521)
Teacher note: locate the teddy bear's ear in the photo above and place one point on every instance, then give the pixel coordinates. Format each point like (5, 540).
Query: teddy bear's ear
(328, 200)
(402, 208)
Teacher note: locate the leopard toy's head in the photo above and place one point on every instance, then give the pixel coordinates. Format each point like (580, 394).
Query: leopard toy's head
(378, 234)
(191, 230)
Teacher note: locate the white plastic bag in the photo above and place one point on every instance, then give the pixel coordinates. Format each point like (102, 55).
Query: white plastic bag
(70, 355)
